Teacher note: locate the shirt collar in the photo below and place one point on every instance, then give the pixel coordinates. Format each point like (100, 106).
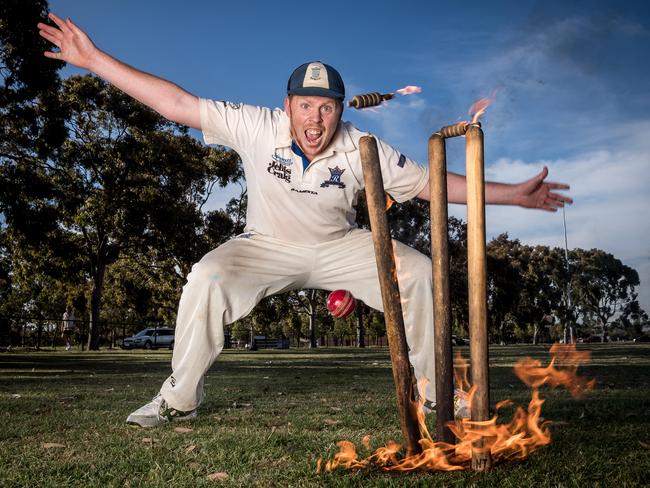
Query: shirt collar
(342, 141)
(283, 135)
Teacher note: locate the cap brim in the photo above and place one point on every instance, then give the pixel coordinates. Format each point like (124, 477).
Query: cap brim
(314, 91)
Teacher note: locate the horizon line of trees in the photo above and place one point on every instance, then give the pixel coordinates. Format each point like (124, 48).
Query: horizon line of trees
(102, 209)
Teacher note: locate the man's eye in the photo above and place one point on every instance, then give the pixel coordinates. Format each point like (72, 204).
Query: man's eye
(327, 109)
(304, 106)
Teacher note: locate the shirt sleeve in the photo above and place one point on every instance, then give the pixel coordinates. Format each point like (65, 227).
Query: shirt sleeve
(231, 124)
(403, 178)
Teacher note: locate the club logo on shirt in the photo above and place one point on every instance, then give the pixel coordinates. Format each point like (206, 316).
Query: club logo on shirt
(279, 159)
(279, 170)
(233, 105)
(402, 161)
(335, 178)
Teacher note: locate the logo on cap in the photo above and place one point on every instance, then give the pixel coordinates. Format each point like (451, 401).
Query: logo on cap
(315, 72)
(316, 76)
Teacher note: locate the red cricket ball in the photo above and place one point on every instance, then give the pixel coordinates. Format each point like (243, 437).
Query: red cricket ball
(341, 303)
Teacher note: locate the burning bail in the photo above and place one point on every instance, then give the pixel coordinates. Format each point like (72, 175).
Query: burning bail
(374, 99)
(369, 100)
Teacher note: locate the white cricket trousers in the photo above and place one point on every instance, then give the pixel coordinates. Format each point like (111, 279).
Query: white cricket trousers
(227, 283)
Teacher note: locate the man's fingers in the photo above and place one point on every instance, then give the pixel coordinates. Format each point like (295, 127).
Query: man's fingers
(547, 208)
(73, 27)
(53, 39)
(53, 31)
(53, 55)
(559, 197)
(45, 27)
(551, 205)
(58, 21)
(557, 186)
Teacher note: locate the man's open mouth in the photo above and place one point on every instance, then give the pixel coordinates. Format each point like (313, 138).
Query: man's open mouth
(313, 136)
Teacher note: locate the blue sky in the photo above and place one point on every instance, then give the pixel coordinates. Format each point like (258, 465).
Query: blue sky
(571, 78)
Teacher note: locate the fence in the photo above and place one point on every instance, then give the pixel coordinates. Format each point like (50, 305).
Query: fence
(40, 332)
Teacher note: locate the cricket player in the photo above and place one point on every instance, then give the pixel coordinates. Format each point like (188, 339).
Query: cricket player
(303, 175)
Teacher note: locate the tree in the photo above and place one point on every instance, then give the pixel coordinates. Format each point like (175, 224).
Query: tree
(292, 326)
(310, 303)
(505, 280)
(603, 287)
(457, 230)
(32, 129)
(409, 224)
(125, 183)
(131, 180)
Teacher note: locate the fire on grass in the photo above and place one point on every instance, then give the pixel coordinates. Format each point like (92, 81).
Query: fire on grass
(514, 440)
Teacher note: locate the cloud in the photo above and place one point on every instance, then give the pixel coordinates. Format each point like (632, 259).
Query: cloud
(611, 210)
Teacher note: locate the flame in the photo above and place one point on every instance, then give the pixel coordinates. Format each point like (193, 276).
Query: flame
(409, 90)
(461, 373)
(534, 375)
(479, 107)
(389, 201)
(514, 440)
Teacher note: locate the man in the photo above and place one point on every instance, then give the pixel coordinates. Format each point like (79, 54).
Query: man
(303, 176)
(68, 326)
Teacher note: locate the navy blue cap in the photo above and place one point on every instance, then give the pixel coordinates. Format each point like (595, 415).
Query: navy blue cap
(316, 79)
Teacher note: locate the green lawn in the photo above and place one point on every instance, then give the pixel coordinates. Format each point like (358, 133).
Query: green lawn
(268, 417)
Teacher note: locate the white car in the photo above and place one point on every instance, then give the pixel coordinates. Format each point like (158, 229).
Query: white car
(151, 338)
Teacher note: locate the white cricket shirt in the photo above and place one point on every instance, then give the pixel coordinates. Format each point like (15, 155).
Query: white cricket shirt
(285, 201)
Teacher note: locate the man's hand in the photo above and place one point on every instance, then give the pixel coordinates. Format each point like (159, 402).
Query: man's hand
(537, 193)
(166, 98)
(75, 47)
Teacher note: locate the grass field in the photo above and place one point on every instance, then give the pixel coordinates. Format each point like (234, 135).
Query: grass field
(268, 417)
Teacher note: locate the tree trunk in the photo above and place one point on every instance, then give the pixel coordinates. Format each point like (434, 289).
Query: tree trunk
(502, 338)
(39, 334)
(312, 319)
(535, 333)
(361, 332)
(95, 306)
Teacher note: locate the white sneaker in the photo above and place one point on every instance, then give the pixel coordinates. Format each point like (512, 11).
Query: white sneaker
(428, 406)
(462, 408)
(461, 405)
(157, 412)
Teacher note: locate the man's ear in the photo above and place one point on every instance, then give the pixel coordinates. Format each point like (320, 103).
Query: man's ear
(287, 105)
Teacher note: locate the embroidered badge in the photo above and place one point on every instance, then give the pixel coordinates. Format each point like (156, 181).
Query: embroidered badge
(402, 161)
(335, 178)
(315, 72)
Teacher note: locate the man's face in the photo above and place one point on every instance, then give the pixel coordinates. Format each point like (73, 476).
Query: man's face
(313, 121)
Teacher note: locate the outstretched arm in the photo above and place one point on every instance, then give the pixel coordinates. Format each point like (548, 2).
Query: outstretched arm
(532, 193)
(166, 98)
